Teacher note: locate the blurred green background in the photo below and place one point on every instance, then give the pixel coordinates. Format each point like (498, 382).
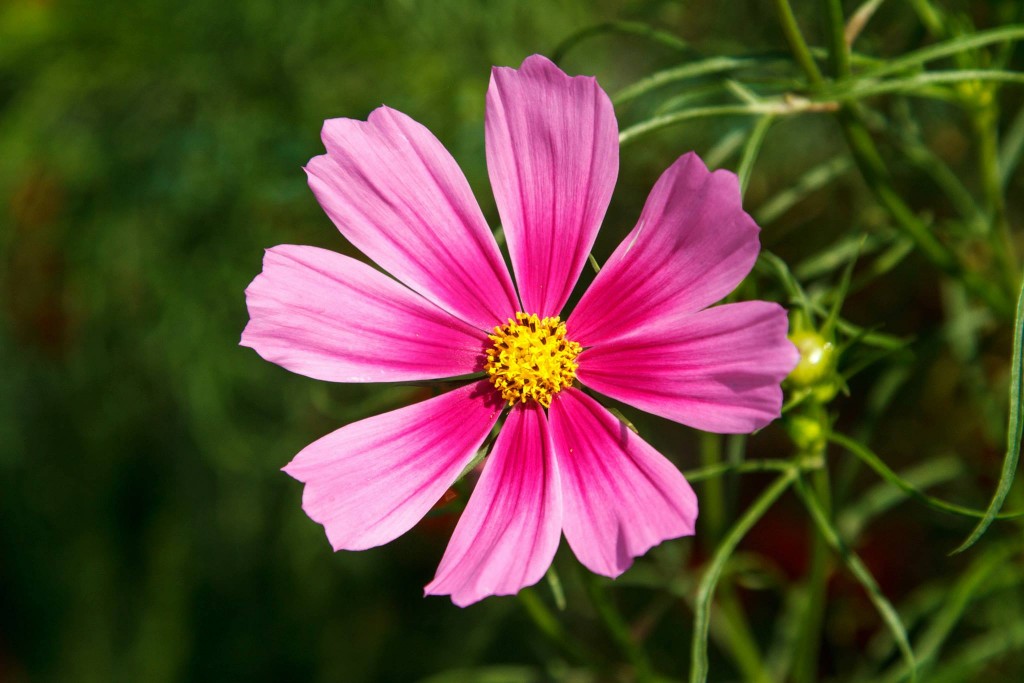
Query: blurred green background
(149, 152)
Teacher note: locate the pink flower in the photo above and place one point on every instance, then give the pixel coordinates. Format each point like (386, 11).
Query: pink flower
(642, 334)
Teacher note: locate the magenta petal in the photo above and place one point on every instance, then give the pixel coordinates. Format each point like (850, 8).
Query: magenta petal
(396, 193)
(508, 534)
(553, 156)
(718, 369)
(620, 497)
(371, 481)
(331, 317)
(692, 245)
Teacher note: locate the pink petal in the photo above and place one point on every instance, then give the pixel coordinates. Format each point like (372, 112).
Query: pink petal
(620, 496)
(508, 534)
(396, 193)
(371, 481)
(692, 246)
(331, 317)
(718, 370)
(553, 156)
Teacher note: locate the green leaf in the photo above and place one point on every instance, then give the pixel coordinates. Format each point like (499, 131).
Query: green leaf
(555, 584)
(883, 470)
(884, 495)
(706, 588)
(778, 107)
(977, 654)
(749, 467)
(811, 181)
(635, 28)
(947, 49)
(703, 67)
(1011, 148)
(862, 574)
(839, 296)
(796, 293)
(751, 149)
(953, 606)
(916, 84)
(726, 146)
(1014, 429)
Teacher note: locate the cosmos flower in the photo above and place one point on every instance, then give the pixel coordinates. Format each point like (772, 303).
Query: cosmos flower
(643, 334)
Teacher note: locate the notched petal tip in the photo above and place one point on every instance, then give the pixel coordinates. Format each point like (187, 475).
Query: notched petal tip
(553, 158)
(510, 530)
(620, 496)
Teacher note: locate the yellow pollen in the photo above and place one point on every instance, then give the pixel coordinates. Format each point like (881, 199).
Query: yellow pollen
(531, 359)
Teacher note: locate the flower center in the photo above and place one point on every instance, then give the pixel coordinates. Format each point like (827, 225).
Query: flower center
(531, 359)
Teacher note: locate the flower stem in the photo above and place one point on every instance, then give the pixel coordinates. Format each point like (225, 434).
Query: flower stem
(712, 496)
(809, 639)
(839, 50)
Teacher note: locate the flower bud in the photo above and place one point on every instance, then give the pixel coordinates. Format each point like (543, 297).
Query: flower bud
(818, 358)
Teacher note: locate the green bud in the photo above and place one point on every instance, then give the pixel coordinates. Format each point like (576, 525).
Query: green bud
(806, 432)
(817, 359)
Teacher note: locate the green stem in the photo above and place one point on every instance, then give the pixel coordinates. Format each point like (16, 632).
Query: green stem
(839, 51)
(708, 582)
(797, 44)
(805, 669)
(712, 501)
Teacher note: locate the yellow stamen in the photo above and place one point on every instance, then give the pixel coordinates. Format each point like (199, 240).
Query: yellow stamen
(531, 359)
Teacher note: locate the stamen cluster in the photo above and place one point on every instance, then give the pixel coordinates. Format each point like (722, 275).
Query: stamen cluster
(531, 359)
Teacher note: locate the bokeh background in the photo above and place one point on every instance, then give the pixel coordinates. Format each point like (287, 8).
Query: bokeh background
(150, 151)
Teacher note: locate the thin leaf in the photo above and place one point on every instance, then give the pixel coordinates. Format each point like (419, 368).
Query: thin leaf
(751, 149)
(703, 67)
(884, 471)
(858, 20)
(774, 264)
(725, 148)
(635, 28)
(953, 606)
(555, 584)
(862, 574)
(811, 181)
(884, 495)
(839, 296)
(750, 466)
(978, 652)
(1011, 148)
(706, 588)
(916, 84)
(948, 48)
(863, 335)
(1014, 429)
(779, 107)
(839, 253)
